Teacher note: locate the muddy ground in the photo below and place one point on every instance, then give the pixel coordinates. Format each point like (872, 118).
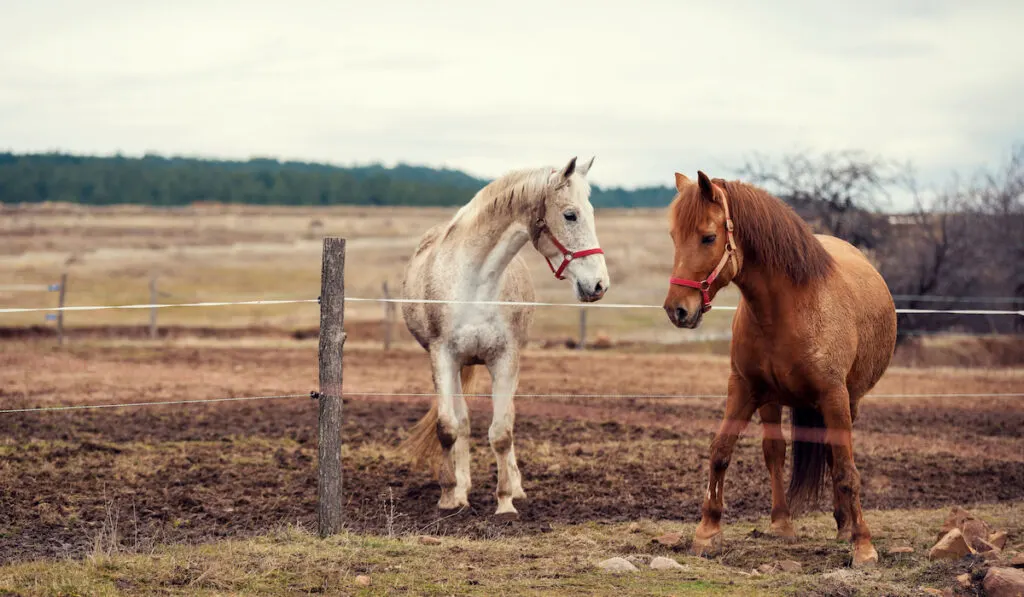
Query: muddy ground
(69, 479)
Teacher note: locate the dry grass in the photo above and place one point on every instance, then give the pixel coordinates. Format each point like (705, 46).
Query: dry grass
(562, 562)
(245, 253)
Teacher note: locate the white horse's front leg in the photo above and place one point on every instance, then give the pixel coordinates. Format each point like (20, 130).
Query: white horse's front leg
(452, 432)
(504, 381)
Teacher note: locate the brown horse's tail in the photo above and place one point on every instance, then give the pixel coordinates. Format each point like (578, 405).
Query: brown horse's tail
(423, 446)
(810, 457)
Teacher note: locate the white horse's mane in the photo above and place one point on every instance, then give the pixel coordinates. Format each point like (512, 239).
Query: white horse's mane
(514, 193)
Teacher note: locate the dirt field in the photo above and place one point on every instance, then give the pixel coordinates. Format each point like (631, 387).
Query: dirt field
(167, 474)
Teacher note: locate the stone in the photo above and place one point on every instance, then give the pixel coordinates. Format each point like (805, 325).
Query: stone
(1004, 582)
(952, 546)
(788, 566)
(964, 580)
(901, 549)
(766, 568)
(363, 580)
(428, 540)
(1018, 561)
(669, 539)
(663, 563)
(617, 565)
(975, 531)
(955, 520)
(998, 539)
(982, 546)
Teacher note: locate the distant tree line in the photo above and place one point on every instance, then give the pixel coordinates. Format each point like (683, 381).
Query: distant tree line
(162, 181)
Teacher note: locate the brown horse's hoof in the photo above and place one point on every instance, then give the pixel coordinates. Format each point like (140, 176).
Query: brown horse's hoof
(783, 529)
(707, 546)
(512, 516)
(865, 556)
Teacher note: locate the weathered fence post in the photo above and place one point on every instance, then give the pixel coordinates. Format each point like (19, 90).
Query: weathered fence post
(152, 310)
(332, 340)
(60, 303)
(583, 329)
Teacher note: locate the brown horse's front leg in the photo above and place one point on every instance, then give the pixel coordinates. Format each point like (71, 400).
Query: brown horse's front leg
(774, 447)
(835, 408)
(739, 408)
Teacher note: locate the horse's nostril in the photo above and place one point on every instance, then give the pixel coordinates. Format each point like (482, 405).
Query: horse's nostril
(680, 314)
(598, 289)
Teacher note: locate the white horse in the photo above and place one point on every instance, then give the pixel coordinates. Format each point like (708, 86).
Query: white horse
(474, 257)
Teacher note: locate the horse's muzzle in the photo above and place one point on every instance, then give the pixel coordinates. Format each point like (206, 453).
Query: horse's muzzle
(681, 318)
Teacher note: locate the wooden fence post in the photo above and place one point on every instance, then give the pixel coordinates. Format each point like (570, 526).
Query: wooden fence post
(60, 303)
(332, 340)
(583, 329)
(152, 310)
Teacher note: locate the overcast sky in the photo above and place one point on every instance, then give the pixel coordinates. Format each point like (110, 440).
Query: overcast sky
(648, 87)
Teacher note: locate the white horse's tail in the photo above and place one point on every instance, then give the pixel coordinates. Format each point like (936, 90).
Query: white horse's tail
(422, 446)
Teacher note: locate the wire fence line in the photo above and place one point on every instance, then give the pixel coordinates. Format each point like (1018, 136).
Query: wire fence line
(433, 394)
(134, 404)
(597, 305)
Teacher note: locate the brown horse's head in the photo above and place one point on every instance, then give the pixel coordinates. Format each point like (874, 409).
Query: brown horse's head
(706, 258)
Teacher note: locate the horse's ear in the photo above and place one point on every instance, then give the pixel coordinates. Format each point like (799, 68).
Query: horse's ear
(681, 181)
(568, 169)
(707, 188)
(585, 166)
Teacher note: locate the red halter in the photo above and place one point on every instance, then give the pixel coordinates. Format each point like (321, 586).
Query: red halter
(730, 252)
(567, 255)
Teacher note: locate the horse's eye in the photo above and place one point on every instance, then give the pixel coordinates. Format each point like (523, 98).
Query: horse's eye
(708, 239)
(570, 216)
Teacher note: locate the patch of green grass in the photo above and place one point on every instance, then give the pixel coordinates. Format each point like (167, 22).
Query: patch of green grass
(562, 562)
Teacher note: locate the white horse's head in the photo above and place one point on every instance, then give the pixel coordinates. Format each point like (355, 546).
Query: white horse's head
(566, 218)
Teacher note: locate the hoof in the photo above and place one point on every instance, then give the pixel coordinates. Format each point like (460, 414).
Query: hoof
(512, 516)
(865, 556)
(450, 504)
(707, 547)
(783, 530)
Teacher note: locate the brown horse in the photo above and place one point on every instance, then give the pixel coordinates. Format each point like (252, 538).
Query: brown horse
(814, 331)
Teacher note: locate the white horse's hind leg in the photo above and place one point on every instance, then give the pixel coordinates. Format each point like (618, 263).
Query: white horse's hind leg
(505, 379)
(454, 494)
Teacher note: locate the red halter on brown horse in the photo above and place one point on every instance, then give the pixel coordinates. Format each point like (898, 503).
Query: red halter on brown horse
(814, 331)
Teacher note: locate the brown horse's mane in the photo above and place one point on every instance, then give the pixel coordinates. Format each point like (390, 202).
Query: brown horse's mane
(769, 233)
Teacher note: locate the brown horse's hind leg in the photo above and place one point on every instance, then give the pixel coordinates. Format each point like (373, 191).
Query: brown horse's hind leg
(774, 447)
(739, 408)
(835, 408)
(844, 529)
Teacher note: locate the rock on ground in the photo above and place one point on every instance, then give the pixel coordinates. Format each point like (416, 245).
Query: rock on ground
(428, 540)
(1004, 582)
(617, 565)
(952, 546)
(663, 563)
(363, 581)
